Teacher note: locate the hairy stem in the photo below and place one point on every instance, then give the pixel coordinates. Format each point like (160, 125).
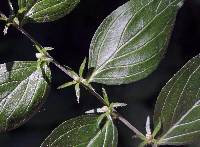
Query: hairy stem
(65, 69)
(35, 42)
(94, 93)
(129, 125)
(68, 71)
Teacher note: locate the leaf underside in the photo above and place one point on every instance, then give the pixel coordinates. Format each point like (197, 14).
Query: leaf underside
(178, 106)
(81, 132)
(131, 41)
(46, 10)
(22, 91)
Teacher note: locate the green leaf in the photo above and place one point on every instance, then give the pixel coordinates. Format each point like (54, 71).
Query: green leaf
(143, 144)
(178, 106)
(68, 84)
(23, 86)
(131, 41)
(21, 4)
(83, 131)
(82, 67)
(46, 10)
(26, 4)
(157, 129)
(105, 96)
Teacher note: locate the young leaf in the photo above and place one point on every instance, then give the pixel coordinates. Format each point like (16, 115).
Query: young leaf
(148, 126)
(178, 106)
(23, 86)
(131, 41)
(157, 129)
(143, 144)
(105, 96)
(77, 90)
(21, 4)
(82, 67)
(46, 10)
(83, 131)
(68, 84)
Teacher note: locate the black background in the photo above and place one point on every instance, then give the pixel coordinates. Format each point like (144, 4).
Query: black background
(71, 36)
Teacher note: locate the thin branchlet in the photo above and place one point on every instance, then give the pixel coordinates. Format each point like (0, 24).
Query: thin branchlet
(36, 43)
(129, 125)
(69, 72)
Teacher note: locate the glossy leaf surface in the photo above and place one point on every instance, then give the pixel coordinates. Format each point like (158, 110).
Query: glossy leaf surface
(81, 132)
(178, 106)
(46, 10)
(22, 91)
(131, 41)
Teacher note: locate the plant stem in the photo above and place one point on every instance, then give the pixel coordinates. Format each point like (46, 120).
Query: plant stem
(65, 69)
(68, 71)
(70, 74)
(35, 42)
(129, 125)
(94, 93)
(100, 98)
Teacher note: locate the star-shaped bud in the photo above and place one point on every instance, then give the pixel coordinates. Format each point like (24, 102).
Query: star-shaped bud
(42, 57)
(77, 80)
(106, 109)
(148, 129)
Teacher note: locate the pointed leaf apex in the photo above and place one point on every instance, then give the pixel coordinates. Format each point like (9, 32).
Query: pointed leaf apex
(77, 89)
(105, 96)
(48, 48)
(157, 129)
(148, 126)
(82, 67)
(116, 105)
(11, 7)
(65, 85)
(5, 31)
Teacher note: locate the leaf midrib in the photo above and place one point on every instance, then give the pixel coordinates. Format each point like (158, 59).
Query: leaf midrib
(42, 9)
(70, 131)
(119, 47)
(183, 91)
(102, 66)
(141, 47)
(195, 105)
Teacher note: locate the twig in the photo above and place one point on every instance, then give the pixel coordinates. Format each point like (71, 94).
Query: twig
(129, 125)
(100, 98)
(35, 42)
(69, 72)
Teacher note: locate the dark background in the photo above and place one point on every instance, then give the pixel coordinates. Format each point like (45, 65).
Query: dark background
(71, 36)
